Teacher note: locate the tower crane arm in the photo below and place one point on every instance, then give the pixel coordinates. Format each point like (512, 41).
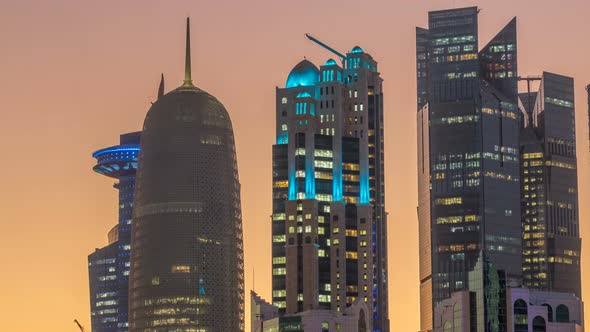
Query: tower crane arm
(315, 40)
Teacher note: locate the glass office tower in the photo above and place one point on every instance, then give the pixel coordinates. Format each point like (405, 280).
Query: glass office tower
(549, 181)
(187, 264)
(468, 171)
(108, 267)
(329, 223)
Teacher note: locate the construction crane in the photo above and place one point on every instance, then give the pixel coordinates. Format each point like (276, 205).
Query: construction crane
(317, 41)
(79, 325)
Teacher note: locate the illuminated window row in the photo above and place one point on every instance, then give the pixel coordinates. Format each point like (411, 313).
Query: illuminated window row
(448, 201)
(456, 219)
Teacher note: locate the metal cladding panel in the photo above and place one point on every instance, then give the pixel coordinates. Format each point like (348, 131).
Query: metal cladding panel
(187, 253)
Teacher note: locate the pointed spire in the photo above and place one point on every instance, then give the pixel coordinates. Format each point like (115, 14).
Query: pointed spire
(161, 88)
(188, 82)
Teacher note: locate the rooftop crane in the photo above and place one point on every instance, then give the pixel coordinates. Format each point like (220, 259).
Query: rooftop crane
(79, 325)
(315, 40)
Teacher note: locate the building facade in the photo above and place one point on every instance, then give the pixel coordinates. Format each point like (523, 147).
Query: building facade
(541, 311)
(549, 183)
(260, 311)
(108, 267)
(526, 310)
(265, 318)
(329, 223)
(187, 264)
(468, 164)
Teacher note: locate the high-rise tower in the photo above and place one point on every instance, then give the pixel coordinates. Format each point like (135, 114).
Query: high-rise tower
(186, 250)
(329, 222)
(108, 267)
(549, 182)
(468, 164)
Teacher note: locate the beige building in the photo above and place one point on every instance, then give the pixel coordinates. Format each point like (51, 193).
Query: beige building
(265, 318)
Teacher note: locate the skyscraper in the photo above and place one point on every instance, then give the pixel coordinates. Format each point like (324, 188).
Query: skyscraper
(468, 170)
(187, 252)
(329, 223)
(108, 267)
(549, 183)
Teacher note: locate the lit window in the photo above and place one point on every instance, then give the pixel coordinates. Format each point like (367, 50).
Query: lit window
(351, 255)
(181, 269)
(211, 139)
(278, 238)
(351, 232)
(279, 260)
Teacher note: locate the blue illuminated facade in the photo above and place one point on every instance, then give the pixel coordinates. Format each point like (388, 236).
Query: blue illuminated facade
(329, 223)
(108, 267)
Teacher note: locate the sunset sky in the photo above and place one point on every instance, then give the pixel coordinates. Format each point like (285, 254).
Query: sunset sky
(74, 75)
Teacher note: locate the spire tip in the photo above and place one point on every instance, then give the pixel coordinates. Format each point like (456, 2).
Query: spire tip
(187, 62)
(161, 87)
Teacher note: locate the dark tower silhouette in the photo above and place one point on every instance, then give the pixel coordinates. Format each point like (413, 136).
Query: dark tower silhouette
(187, 254)
(108, 267)
(468, 165)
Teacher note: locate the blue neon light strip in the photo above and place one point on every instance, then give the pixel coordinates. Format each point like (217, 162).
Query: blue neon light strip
(309, 179)
(364, 194)
(116, 149)
(337, 184)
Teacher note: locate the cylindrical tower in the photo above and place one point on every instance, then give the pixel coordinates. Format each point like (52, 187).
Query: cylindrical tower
(187, 253)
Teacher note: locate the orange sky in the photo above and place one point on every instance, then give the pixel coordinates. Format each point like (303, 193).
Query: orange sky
(76, 74)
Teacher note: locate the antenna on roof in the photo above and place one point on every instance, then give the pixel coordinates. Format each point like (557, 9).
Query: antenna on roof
(187, 61)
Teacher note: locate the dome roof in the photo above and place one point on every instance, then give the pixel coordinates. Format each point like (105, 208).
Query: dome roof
(357, 49)
(304, 73)
(187, 107)
(330, 62)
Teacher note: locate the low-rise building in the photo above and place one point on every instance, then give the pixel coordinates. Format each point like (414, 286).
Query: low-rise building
(265, 318)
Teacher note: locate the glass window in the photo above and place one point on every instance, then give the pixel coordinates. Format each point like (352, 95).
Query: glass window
(562, 314)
